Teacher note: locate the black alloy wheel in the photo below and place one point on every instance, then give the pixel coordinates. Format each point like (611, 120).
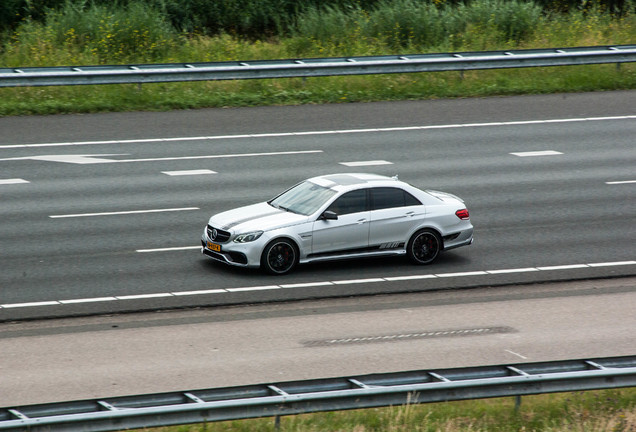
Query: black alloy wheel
(279, 257)
(424, 246)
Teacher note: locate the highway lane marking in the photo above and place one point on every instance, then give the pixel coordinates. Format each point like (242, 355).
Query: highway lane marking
(253, 288)
(537, 153)
(189, 172)
(563, 267)
(309, 284)
(143, 296)
(358, 281)
(325, 132)
(75, 159)
(518, 270)
(366, 163)
(31, 304)
(170, 249)
(410, 277)
(611, 264)
(88, 300)
(12, 181)
(462, 274)
(100, 159)
(620, 182)
(210, 291)
(123, 212)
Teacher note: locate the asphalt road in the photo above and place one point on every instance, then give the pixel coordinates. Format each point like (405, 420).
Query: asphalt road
(103, 213)
(104, 356)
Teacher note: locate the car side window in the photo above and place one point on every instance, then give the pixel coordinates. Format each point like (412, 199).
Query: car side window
(386, 197)
(351, 202)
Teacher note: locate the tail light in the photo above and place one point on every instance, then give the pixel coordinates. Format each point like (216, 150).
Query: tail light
(462, 214)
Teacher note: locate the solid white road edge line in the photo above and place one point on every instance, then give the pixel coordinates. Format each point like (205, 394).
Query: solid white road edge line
(313, 284)
(12, 181)
(620, 182)
(170, 249)
(123, 212)
(327, 132)
(94, 159)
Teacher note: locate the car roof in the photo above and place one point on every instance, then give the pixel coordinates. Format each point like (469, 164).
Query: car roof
(350, 180)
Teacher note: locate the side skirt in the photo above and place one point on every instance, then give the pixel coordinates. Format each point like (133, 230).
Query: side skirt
(358, 253)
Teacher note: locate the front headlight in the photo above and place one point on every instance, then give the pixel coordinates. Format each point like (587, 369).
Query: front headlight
(248, 237)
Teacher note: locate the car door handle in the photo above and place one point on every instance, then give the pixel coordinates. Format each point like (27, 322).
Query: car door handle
(410, 214)
(361, 221)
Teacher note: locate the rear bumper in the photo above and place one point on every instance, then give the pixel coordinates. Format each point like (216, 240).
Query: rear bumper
(464, 238)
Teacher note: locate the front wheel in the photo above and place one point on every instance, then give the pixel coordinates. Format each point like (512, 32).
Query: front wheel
(424, 246)
(279, 257)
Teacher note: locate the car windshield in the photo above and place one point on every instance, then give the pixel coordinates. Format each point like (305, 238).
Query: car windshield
(305, 198)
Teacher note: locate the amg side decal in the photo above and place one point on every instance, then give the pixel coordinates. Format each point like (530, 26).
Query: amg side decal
(392, 245)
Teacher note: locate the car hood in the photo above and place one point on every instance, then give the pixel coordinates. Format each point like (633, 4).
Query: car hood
(255, 217)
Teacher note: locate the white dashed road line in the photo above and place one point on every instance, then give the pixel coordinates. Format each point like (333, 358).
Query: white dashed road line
(312, 284)
(189, 172)
(537, 153)
(366, 163)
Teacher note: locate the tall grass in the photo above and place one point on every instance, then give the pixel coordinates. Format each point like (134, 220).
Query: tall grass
(602, 411)
(413, 23)
(104, 33)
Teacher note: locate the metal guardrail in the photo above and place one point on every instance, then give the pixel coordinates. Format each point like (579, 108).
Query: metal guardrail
(288, 398)
(154, 73)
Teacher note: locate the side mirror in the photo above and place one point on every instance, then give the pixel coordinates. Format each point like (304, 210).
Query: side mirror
(329, 215)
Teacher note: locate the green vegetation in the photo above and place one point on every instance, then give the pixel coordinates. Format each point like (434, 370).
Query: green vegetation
(83, 32)
(598, 411)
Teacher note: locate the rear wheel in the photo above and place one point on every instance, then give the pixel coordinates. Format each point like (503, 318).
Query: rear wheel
(424, 246)
(279, 257)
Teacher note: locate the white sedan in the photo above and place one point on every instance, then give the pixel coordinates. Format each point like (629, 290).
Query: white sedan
(339, 216)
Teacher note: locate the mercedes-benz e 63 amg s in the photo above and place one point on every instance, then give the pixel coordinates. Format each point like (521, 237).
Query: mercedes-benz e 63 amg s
(339, 216)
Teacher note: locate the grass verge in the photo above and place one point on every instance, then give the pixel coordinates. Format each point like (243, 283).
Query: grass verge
(594, 411)
(103, 35)
(296, 91)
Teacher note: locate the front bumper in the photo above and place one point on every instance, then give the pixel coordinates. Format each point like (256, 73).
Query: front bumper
(236, 254)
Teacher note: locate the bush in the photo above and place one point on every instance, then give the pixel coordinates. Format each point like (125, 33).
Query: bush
(259, 19)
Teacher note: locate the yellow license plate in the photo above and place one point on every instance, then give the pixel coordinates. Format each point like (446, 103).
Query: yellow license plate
(214, 247)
